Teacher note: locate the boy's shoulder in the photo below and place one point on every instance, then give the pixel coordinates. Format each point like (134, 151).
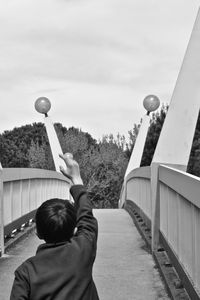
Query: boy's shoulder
(48, 252)
(23, 269)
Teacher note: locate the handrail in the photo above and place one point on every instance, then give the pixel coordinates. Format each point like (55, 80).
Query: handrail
(143, 172)
(13, 174)
(184, 184)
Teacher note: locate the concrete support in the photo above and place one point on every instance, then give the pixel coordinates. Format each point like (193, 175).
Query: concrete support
(136, 155)
(54, 144)
(137, 152)
(177, 134)
(1, 213)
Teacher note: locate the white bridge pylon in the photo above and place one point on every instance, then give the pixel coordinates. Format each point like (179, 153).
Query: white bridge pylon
(175, 141)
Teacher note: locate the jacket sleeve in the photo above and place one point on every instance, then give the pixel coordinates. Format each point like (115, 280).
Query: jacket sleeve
(20, 289)
(86, 223)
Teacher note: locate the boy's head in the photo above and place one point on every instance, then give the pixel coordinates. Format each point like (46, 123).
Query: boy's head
(55, 220)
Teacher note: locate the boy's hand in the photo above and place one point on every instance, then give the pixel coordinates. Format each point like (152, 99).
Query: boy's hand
(72, 168)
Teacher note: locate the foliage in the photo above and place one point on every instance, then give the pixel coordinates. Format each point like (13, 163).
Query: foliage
(15, 144)
(102, 163)
(194, 161)
(156, 123)
(133, 133)
(155, 127)
(153, 134)
(37, 156)
(108, 165)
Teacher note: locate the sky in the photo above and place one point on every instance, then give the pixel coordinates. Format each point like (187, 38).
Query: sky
(96, 60)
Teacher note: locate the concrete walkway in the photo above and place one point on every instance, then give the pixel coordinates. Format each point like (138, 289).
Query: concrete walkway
(123, 269)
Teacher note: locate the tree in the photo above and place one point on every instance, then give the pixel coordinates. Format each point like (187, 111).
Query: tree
(132, 138)
(102, 164)
(194, 161)
(15, 144)
(155, 127)
(37, 156)
(153, 134)
(108, 165)
(13, 155)
(156, 123)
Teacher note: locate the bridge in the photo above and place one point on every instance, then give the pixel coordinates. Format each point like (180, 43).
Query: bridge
(156, 229)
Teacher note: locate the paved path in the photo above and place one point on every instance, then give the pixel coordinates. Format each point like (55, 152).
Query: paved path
(123, 269)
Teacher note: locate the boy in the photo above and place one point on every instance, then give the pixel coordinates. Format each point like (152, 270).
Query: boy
(62, 267)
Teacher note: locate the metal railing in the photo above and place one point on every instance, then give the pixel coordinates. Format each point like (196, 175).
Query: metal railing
(179, 213)
(23, 192)
(180, 218)
(138, 189)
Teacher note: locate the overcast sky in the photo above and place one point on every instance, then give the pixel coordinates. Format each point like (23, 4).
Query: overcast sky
(95, 60)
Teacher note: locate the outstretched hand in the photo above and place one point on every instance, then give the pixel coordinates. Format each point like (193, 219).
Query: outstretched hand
(72, 170)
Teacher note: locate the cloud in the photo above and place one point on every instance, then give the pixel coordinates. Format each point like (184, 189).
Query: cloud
(95, 59)
(88, 41)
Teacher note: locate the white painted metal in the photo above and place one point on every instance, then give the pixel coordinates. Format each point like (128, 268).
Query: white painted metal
(54, 144)
(180, 218)
(22, 195)
(138, 189)
(1, 213)
(175, 140)
(179, 212)
(137, 152)
(122, 198)
(7, 203)
(155, 201)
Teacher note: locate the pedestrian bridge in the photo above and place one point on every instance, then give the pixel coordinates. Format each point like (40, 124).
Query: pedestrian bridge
(124, 268)
(162, 200)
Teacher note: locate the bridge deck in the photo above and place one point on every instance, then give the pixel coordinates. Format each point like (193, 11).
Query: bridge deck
(123, 269)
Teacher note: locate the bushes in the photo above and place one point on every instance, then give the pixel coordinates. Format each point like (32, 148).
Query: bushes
(102, 163)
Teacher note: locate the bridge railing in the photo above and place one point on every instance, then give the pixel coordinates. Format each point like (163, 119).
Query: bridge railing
(23, 192)
(138, 190)
(180, 218)
(179, 214)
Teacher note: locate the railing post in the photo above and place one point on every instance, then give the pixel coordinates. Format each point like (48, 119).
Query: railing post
(155, 200)
(1, 213)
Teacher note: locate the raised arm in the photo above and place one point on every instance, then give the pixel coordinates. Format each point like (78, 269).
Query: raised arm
(72, 170)
(86, 223)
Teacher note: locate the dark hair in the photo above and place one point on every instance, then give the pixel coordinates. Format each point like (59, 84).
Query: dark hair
(55, 220)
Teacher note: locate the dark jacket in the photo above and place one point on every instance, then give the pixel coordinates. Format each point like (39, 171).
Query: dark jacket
(62, 271)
